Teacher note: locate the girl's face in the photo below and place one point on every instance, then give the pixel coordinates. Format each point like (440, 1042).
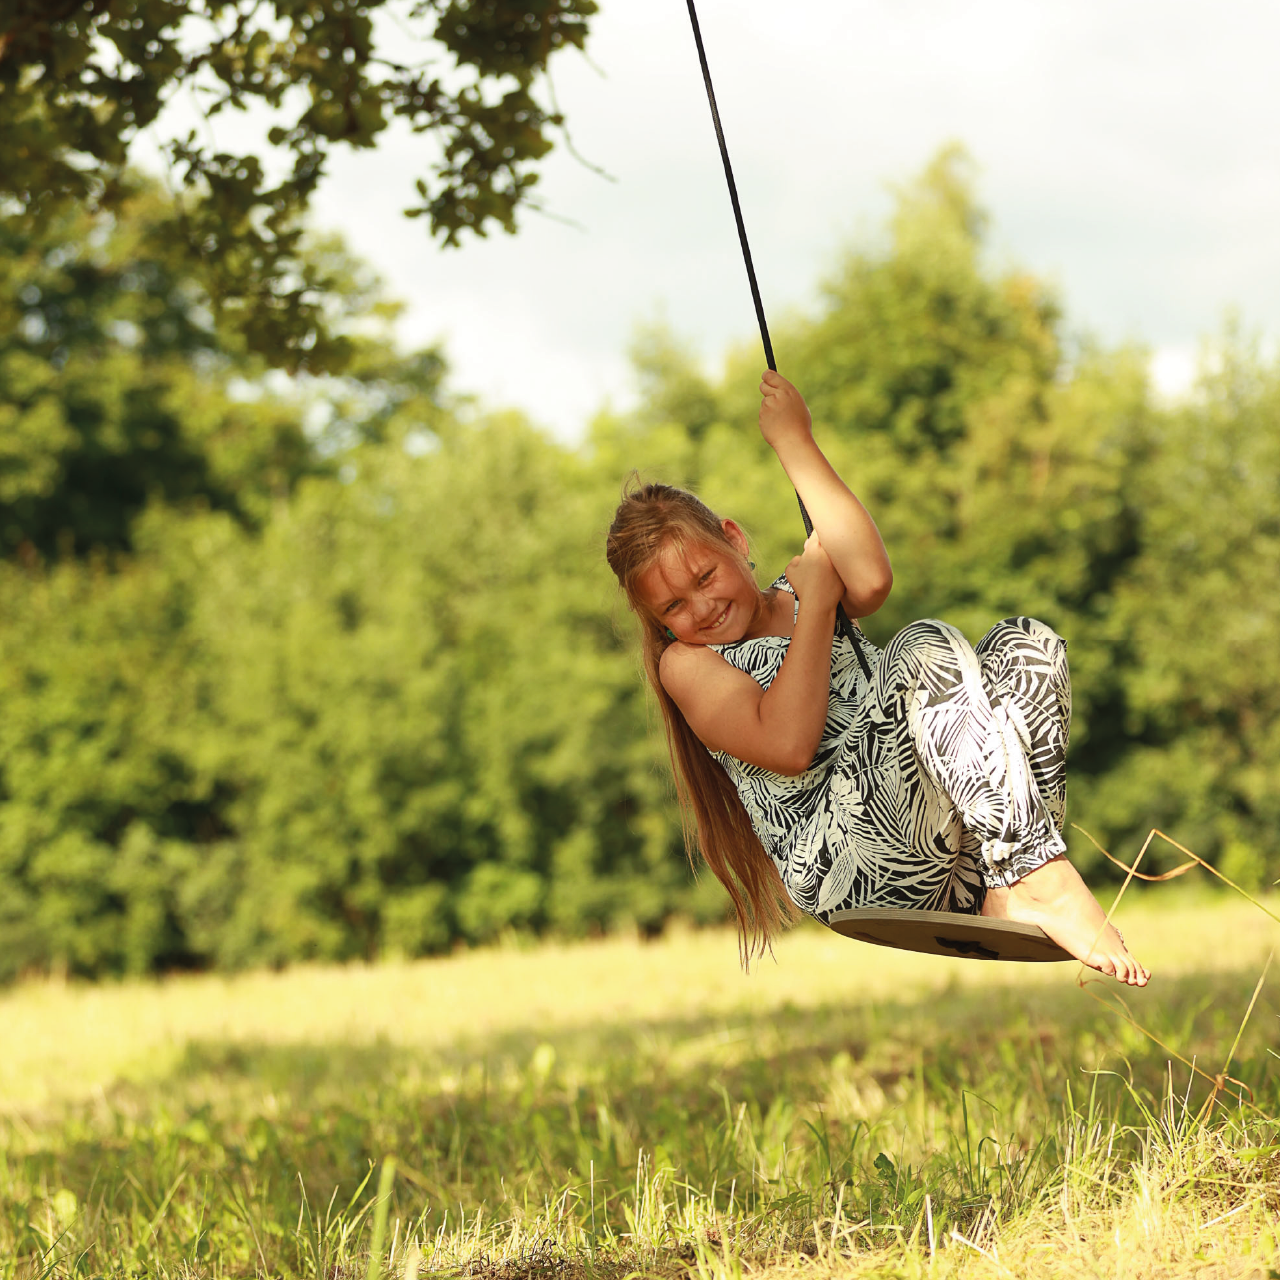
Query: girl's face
(702, 594)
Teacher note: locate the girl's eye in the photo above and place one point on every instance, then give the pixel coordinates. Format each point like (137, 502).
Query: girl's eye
(706, 577)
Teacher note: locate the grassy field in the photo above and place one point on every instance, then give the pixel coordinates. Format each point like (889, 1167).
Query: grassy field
(623, 1108)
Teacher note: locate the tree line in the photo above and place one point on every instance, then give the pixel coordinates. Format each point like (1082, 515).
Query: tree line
(332, 666)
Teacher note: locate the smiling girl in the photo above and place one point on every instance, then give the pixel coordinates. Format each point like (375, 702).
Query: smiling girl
(938, 782)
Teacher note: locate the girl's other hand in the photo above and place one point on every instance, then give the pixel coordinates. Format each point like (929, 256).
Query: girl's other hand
(783, 412)
(814, 577)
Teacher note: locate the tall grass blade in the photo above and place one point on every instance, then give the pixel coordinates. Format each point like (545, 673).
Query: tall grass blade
(386, 1179)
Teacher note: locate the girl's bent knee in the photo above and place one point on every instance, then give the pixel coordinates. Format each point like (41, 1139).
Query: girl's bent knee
(929, 645)
(926, 633)
(1014, 633)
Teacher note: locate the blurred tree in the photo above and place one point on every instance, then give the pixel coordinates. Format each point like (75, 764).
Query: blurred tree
(1200, 613)
(80, 79)
(396, 717)
(427, 645)
(914, 336)
(101, 819)
(118, 386)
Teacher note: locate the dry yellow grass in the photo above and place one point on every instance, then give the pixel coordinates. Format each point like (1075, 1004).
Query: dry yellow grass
(64, 1040)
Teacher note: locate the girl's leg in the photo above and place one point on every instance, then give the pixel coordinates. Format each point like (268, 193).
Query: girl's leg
(1024, 671)
(962, 748)
(967, 750)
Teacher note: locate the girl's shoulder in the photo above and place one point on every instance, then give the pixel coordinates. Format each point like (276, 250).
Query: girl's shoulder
(679, 658)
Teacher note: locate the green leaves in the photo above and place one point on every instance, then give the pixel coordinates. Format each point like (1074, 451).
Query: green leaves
(79, 81)
(394, 717)
(1201, 608)
(118, 385)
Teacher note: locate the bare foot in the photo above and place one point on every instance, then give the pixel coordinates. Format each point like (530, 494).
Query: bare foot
(1054, 897)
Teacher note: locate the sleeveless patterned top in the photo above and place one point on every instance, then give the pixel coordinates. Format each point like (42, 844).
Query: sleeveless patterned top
(802, 820)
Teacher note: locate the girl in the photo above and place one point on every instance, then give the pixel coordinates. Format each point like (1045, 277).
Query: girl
(938, 783)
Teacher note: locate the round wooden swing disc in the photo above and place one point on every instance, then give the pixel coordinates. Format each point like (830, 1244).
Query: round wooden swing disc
(947, 933)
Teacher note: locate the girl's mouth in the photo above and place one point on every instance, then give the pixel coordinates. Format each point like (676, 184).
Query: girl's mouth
(720, 619)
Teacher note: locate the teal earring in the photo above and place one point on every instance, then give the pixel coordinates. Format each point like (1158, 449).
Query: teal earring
(671, 635)
(751, 564)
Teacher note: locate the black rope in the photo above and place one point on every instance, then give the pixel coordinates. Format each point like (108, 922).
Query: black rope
(737, 208)
(843, 625)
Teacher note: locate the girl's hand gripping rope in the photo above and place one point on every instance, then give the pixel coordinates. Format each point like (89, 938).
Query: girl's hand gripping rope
(818, 585)
(784, 416)
(849, 535)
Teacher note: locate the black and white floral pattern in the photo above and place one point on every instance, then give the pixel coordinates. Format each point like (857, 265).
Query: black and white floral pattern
(941, 776)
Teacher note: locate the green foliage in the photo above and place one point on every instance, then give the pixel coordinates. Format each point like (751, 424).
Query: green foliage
(1199, 615)
(460, 724)
(398, 716)
(118, 387)
(914, 338)
(79, 80)
(364, 685)
(101, 819)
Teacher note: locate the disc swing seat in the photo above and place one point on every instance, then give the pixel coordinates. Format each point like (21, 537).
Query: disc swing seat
(938, 933)
(948, 933)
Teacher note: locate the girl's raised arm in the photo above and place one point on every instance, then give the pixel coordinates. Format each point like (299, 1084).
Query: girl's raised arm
(848, 533)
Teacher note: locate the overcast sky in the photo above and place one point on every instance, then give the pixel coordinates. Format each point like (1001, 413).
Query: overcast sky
(1129, 150)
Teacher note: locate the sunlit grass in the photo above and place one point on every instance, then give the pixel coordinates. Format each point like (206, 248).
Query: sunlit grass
(621, 1106)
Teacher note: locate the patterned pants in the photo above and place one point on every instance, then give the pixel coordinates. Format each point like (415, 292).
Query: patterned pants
(979, 731)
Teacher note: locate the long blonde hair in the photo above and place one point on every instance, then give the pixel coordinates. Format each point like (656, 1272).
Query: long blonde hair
(650, 518)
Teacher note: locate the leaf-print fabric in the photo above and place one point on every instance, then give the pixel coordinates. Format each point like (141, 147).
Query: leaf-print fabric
(941, 776)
